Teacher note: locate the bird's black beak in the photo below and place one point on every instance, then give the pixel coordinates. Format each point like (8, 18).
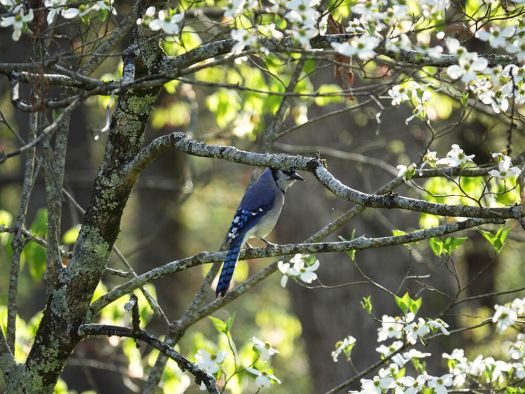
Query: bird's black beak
(296, 176)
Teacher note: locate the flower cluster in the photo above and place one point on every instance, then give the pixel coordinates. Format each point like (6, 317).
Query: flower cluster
(488, 371)
(389, 22)
(455, 158)
(509, 38)
(414, 92)
(265, 351)
(386, 380)
(407, 331)
(210, 362)
(408, 328)
(236, 7)
(60, 7)
(217, 362)
(18, 19)
(244, 39)
(345, 347)
(165, 20)
(301, 266)
(407, 172)
(469, 63)
(303, 20)
(500, 86)
(505, 167)
(506, 315)
(263, 379)
(362, 47)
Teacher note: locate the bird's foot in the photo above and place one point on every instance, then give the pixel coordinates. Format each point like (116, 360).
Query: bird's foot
(268, 243)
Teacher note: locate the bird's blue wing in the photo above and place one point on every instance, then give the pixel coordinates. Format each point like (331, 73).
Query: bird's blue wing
(257, 201)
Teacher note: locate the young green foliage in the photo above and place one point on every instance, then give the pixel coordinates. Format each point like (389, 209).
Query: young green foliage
(406, 304)
(496, 240)
(366, 304)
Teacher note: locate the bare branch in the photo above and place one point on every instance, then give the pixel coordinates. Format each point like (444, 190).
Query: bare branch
(18, 243)
(50, 129)
(6, 356)
(183, 363)
(360, 243)
(193, 147)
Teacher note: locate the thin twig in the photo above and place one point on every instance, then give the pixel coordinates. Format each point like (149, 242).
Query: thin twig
(18, 243)
(44, 133)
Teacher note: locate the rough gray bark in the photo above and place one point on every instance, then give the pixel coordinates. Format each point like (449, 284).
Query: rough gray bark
(68, 302)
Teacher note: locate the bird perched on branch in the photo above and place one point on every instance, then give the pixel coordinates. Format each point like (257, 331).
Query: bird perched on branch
(256, 216)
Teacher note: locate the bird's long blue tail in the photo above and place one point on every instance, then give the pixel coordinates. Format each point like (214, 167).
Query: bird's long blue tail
(228, 267)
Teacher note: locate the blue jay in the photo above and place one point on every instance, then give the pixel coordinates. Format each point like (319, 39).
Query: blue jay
(256, 216)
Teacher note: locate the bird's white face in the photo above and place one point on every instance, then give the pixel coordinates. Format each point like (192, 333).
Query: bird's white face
(286, 178)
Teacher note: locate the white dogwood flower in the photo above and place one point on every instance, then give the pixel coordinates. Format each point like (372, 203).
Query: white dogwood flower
(264, 349)
(18, 21)
(362, 47)
(210, 363)
(505, 168)
(166, 21)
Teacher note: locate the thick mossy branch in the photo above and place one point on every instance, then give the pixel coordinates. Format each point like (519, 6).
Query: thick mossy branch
(68, 302)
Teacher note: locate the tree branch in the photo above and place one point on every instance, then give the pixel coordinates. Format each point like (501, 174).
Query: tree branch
(45, 132)
(360, 243)
(18, 243)
(157, 310)
(183, 363)
(394, 201)
(194, 314)
(6, 356)
(54, 169)
(171, 66)
(193, 147)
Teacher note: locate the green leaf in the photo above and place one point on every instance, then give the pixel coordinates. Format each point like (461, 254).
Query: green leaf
(229, 323)
(103, 14)
(35, 258)
(452, 243)
(436, 245)
(39, 225)
(219, 325)
(402, 303)
(446, 246)
(407, 304)
(333, 92)
(34, 254)
(398, 233)
(464, 100)
(309, 66)
(496, 240)
(515, 390)
(71, 235)
(415, 305)
(366, 304)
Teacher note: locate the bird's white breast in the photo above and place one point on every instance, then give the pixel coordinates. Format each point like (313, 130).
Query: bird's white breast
(267, 223)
